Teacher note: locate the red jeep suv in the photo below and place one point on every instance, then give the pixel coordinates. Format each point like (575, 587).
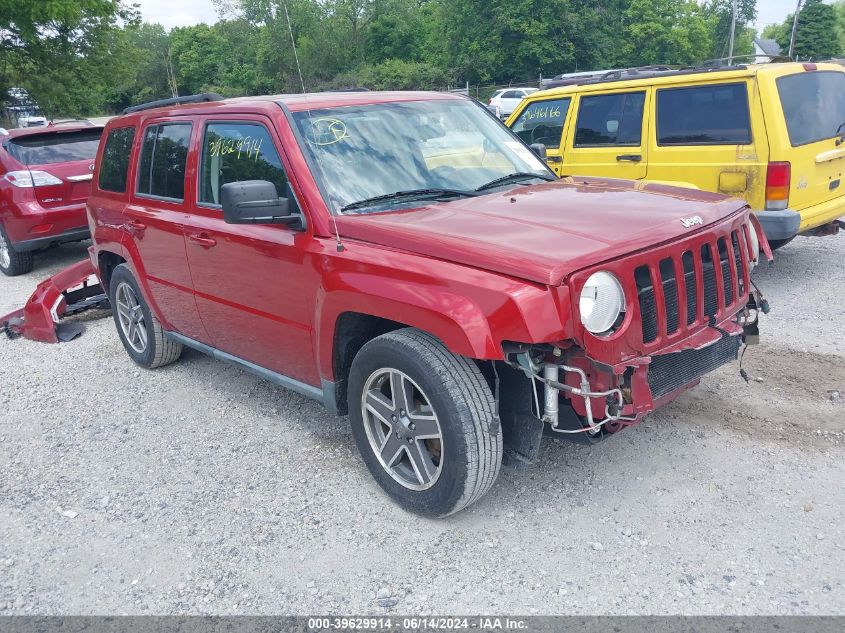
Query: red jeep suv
(406, 259)
(45, 178)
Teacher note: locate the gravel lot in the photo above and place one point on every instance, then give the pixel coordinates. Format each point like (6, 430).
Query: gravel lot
(201, 489)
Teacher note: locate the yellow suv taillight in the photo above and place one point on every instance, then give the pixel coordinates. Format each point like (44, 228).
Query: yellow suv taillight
(778, 176)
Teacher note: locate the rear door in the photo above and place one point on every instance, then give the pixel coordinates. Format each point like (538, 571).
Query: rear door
(66, 155)
(705, 136)
(608, 138)
(155, 219)
(544, 121)
(812, 118)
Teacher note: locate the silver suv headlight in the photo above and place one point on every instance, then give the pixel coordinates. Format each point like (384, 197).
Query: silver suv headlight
(602, 302)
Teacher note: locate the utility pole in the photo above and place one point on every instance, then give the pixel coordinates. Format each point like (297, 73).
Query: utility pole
(794, 29)
(733, 33)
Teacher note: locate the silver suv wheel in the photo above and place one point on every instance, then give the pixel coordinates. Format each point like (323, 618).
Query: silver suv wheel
(131, 317)
(402, 428)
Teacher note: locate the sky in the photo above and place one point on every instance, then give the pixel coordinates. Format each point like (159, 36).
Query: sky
(172, 13)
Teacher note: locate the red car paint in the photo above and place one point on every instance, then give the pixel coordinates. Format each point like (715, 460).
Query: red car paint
(37, 320)
(475, 273)
(37, 217)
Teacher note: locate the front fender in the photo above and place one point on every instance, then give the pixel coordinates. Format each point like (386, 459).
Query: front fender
(471, 311)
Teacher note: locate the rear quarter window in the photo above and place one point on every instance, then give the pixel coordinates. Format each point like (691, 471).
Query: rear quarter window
(813, 105)
(55, 147)
(115, 162)
(703, 115)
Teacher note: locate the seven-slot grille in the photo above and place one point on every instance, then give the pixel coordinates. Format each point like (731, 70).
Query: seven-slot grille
(696, 287)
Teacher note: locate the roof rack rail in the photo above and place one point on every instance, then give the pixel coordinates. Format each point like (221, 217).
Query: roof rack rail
(708, 63)
(205, 97)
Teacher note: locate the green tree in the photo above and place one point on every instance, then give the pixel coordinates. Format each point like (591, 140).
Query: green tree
(817, 36)
(667, 32)
(61, 51)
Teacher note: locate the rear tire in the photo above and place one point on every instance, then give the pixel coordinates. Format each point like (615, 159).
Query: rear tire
(13, 263)
(139, 330)
(431, 443)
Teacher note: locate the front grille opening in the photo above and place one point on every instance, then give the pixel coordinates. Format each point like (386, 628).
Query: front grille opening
(670, 294)
(725, 265)
(740, 274)
(711, 300)
(692, 291)
(648, 307)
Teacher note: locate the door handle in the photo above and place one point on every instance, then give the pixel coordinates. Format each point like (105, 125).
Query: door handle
(631, 158)
(136, 228)
(554, 159)
(202, 239)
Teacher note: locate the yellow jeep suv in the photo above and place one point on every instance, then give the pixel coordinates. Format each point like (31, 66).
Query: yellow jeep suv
(772, 134)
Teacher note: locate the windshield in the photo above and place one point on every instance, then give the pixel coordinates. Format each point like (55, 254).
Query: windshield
(813, 105)
(363, 152)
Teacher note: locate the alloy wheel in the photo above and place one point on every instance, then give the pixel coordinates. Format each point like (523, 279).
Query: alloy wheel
(131, 317)
(402, 429)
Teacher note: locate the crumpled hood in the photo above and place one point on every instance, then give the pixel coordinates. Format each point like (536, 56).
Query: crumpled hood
(543, 233)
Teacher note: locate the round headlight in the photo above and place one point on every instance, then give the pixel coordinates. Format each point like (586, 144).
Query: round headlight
(602, 301)
(755, 245)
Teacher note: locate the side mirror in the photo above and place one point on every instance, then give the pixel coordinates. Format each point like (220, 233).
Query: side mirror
(539, 149)
(254, 202)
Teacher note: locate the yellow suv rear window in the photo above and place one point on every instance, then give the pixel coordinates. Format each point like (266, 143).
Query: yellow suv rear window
(813, 105)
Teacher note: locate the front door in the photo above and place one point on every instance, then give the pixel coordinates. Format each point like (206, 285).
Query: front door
(608, 138)
(255, 285)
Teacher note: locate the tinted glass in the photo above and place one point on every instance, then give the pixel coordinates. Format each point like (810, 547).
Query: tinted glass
(56, 147)
(233, 152)
(163, 157)
(813, 105)
(115, 164)
(705, 115)
(615, 119)
(512, 94)
(542, 122)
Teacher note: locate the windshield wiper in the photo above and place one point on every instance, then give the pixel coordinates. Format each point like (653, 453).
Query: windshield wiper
(840, 134)
(407, 196)
(515, 177)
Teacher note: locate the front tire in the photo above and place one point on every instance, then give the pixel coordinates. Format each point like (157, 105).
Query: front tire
(13, 263)
(776, 244)
(423, 421)
(139, 330)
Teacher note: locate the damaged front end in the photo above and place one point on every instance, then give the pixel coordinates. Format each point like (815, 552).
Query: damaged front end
(44, 317)
(684, 310)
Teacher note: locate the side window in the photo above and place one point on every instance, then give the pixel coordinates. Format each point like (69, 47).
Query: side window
(163, 156)
(115, 163)
(232, 152)
(542, 122)
(615, 119)
(512, 94)
(703, 115)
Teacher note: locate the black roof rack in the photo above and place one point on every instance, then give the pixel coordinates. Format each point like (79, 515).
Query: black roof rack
(630, 74)
(205, 97)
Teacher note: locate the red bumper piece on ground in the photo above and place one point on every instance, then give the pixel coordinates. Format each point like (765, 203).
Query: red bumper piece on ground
(67, 292)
